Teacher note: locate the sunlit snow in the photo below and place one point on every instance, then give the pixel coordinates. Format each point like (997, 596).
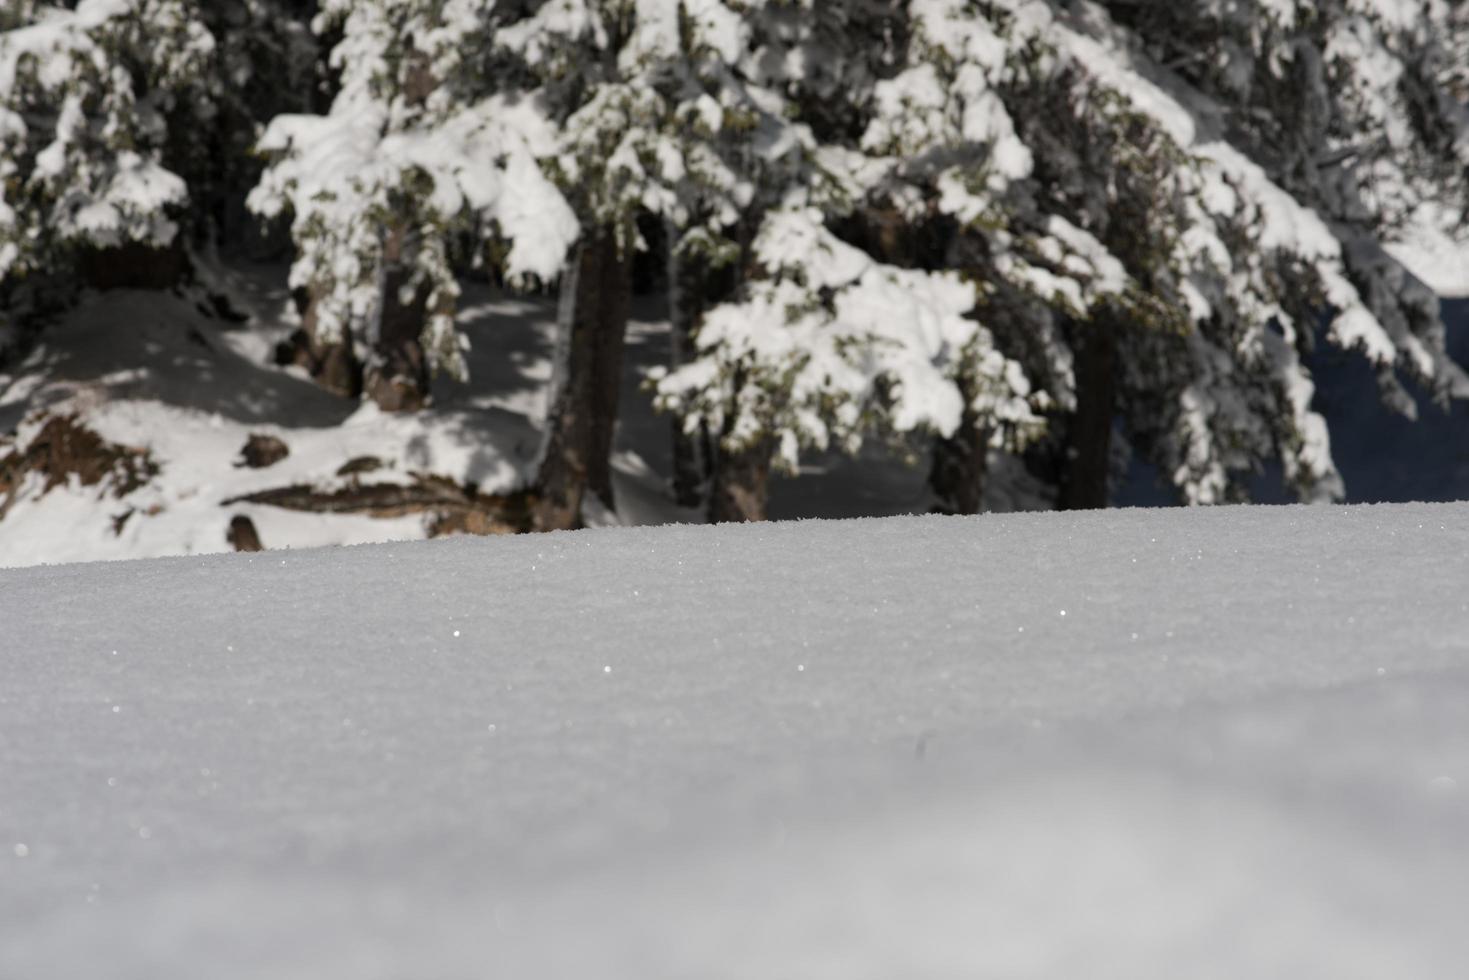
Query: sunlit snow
(867, 749)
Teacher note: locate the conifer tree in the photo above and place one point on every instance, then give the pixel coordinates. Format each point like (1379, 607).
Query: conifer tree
(267, 62)
(836, 340)
(90, 97)
(651, 119)
(418, 154)
(1010, 226)
(535, 128)
(1132, 254)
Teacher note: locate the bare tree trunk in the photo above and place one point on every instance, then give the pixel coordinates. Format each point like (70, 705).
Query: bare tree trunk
(397, 375)
(333, 365)
(1086, 466)
(740, 489)
(134, 265)
(397, 371)
(596, 293)
(687, 292)
(958, 471)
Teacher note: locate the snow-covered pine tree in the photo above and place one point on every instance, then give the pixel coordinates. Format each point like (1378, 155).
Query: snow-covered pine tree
(1123, 244)
(267, 62)
(457, 116)
(1357, 109)
(92, 95)
(854, 322)
(655, 126)
(1261, 243)
(421, 152)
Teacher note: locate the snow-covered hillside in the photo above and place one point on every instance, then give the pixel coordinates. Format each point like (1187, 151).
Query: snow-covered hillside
(1227, 743)
(162, 376)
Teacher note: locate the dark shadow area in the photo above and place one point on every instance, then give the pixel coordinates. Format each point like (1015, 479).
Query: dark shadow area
(875, 483)
(512, 339)
(640, 427)
(1384, 457)
(151, 345)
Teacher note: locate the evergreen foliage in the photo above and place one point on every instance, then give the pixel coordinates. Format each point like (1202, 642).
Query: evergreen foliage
(984, 226)
(90, 98)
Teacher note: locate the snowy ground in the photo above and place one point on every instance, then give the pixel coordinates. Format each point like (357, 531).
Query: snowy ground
(150, 370)
(1133, 744)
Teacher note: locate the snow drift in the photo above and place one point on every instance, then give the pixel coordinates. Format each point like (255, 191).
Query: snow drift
(1228, 743)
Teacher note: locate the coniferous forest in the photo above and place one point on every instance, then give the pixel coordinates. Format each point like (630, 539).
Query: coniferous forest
(280, 272)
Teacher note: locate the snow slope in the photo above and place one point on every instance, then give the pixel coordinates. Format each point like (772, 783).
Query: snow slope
(150, 370)
(1225, 743)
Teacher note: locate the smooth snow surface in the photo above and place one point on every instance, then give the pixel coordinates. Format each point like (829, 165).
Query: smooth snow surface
(1229, 743)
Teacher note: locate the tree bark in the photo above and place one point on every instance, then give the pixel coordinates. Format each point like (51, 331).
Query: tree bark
(740, 489)
(333, 365)
(1087, 463)
(687, 294)
(596, 294)
(397, 373)
(397, 376)
(134, 265)
(958, 470)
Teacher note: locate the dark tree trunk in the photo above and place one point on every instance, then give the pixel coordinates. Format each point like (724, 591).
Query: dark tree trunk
(397, 373)
(135, 266)
(958, 470)
(689, 470)
(595, 299)
(740, 487)
(688, 291)
(1087, 464)
(333, 365)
